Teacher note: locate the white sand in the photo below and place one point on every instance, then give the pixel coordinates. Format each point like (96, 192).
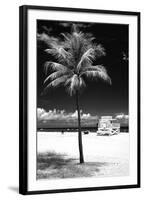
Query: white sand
(113, 150)
(110, 146)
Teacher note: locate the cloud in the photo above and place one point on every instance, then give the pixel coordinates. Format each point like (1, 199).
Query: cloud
(43, 115)
(40, 112)
(83, 115)
(61, 118)
(121, 116)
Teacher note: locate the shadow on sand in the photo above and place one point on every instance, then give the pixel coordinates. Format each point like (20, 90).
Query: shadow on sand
(54, 165)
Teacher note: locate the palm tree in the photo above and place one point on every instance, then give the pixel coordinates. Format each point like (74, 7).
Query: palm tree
(74, 58)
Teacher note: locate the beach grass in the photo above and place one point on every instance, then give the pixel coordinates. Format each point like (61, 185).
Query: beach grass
(55, 165)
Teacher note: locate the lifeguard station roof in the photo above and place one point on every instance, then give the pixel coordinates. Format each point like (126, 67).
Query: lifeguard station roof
(106, 117)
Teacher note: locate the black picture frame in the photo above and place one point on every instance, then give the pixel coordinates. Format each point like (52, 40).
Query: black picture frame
(23, 98)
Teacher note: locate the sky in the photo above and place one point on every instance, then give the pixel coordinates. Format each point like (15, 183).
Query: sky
(98, 98)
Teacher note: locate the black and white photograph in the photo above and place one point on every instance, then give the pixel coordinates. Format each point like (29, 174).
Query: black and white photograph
(80, 95)
(82, 100)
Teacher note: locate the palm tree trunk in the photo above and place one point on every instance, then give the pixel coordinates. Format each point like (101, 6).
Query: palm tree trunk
(79, 130)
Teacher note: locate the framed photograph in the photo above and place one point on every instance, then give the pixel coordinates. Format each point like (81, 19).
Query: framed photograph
(79, 100)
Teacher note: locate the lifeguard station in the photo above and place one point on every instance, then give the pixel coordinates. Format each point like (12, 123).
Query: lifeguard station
(108, 126)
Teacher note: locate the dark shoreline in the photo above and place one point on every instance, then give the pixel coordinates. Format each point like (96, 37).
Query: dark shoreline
(73, 129)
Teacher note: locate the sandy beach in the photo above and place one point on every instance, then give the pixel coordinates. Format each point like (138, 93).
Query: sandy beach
(104, 155)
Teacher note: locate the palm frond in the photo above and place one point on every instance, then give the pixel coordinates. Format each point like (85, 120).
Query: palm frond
(97, 71)
(57, 74)
(88, 57)
(74, 83)
(58, 52)
(92, 68)
(74, 28)
(89, 38)
(53, 66)
(81, 83)
(57, 82)
(67, 38)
